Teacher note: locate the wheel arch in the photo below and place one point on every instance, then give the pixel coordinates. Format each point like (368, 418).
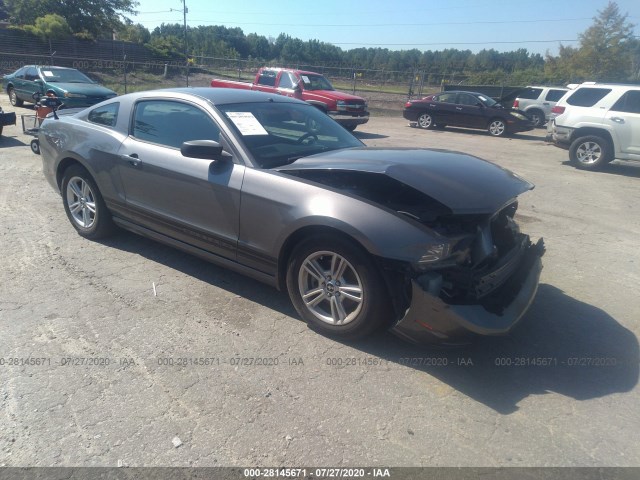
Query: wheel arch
(64, 165)
(319, 105)
(302, 234)
(592, 131)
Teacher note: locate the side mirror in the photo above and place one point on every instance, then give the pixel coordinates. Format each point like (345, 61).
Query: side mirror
(38, 81)
(205, 149)
(480, 104)
(297, 87)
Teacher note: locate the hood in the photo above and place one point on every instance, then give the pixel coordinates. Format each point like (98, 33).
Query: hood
(88, 89)
(463, 183)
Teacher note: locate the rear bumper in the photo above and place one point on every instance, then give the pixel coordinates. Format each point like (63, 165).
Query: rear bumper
(429, 319)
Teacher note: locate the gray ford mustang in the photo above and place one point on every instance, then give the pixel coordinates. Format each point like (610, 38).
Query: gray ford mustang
(423, 242)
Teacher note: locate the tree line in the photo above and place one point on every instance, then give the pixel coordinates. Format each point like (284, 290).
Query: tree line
(607, 50)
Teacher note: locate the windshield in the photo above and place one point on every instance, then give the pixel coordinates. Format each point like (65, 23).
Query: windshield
(315, 82)
(64, 75)
(488, 101)
(277, 134)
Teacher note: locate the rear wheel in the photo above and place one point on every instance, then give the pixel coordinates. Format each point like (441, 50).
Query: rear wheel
(425, 120)
(13, 98)
(35, 147)
(537, 118)
(336, 288)
(84, 205)
(351, 128)
(590, 153)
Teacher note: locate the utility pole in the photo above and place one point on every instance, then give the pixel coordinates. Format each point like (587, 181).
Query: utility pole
(186, 50)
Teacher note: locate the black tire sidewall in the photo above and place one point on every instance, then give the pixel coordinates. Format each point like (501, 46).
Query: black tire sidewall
(376, 307)
(103, 225)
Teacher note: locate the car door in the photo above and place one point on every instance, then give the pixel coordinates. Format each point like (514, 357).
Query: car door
(469, 111)
(28, 84)
(624, 119)
(196, 201)
(443, 108)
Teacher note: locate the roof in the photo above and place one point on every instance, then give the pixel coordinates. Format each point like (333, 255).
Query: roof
(221, 96)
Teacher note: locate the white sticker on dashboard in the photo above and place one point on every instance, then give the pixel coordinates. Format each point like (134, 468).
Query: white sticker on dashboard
(247, 123)
(47, 73)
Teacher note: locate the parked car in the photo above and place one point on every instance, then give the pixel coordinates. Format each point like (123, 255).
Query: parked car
(314, 88)
(6, 119)
(73, 87)
(420, 241)
(537, 102)
(466, 109)
(598, 122)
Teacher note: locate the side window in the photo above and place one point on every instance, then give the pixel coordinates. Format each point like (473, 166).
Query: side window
(20, 73)
(31, 74)
(469, 100)
(628, 103)
(106, 115)
(286, 81)
(447, 98)
(268, 78)
(554, 95)
(587, 97)
(530, 93)
(172, 123)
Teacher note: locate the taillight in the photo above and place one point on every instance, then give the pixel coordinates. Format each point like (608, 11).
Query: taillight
(558, 110)
(516, 104)
(407, 105)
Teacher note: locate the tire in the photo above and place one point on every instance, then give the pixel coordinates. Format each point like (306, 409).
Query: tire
(350, 299)
(35, 147)
(590, 152)
(13, 98)
(351, 128)
(537, 118)
(425, 120)
(497, 127)
(84, 205)
(1, 127)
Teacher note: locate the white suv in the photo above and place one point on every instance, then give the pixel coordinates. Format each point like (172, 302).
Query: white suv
(537, 102)
(599, 122)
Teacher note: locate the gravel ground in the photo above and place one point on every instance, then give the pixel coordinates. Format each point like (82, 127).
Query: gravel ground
(141, 347)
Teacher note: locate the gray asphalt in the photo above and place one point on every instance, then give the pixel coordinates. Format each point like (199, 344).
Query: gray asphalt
(214, 369)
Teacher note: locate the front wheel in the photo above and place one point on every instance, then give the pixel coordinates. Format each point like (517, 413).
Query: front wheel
(590, 152)
(13, 98)
(35, 147)
(336, 288)
(497, 128)
(84, 205)
(425, 120)
(537, 118)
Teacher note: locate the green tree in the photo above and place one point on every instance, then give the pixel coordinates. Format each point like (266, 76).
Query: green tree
(137, 33)
(97, 18)
(605, 47)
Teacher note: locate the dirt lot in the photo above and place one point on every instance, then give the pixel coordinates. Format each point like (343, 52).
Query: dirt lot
(109, 373)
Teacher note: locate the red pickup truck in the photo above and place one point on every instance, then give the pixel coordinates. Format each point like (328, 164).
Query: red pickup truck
(348, 110)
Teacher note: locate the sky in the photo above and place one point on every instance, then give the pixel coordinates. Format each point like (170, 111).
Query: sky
(540, 26)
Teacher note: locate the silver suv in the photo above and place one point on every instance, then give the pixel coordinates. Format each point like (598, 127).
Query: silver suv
(537, 102)
(598, 122)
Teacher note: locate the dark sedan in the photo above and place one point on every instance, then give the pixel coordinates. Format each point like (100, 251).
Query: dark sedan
(420, 241)
(466, 109)
(71, 86)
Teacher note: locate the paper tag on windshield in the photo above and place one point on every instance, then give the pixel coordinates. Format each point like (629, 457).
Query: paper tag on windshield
(247, 123)
(305, 79)
(47, 73)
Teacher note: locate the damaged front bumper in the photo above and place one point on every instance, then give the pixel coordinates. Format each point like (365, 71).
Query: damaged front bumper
(430, 319)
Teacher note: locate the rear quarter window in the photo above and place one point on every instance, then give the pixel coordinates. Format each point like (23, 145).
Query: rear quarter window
(530, 93)
(555, 95)
(106, 115)
(587, 97)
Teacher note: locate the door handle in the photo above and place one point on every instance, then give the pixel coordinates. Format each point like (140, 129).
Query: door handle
(132, 159)
(617, 119)
(458, 108)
